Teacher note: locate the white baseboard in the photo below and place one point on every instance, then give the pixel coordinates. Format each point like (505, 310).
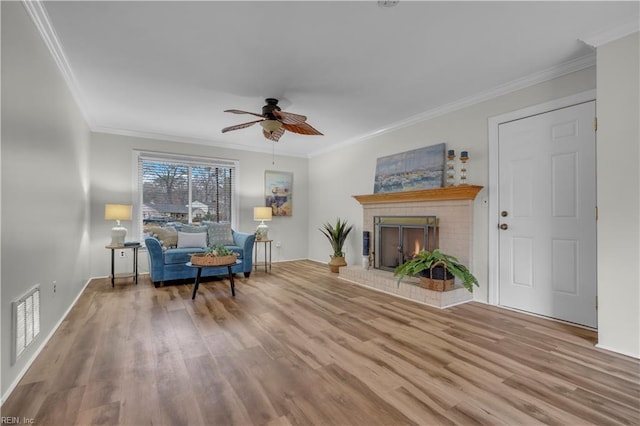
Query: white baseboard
(635, 356)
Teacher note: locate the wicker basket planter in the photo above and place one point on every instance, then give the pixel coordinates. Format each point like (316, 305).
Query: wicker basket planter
(447, 282)
(437, 285)
(439, 270)
(201, 259)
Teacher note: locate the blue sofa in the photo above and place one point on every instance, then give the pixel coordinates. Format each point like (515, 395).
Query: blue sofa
(170, 264)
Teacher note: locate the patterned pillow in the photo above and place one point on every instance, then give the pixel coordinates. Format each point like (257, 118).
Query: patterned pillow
(220, 233)
(193, 229)
(168, 236)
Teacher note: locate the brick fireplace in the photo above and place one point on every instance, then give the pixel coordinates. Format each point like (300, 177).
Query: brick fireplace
(453, 206)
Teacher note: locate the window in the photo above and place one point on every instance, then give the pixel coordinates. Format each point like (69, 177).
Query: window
(173, 188)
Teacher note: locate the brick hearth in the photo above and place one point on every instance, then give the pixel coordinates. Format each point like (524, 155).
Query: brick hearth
(409, 288)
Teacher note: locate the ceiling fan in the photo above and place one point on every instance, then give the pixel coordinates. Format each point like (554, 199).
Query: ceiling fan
(274, 121)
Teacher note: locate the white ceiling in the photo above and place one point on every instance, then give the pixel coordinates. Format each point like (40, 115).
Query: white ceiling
(170, 69)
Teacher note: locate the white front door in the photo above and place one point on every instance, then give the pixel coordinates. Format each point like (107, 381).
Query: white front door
(547, 202)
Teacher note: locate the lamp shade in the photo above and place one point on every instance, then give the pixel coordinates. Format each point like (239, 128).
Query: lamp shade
(271, 125)
(262, 213)
(117, 212)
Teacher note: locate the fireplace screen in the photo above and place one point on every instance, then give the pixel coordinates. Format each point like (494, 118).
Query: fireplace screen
(399, 238)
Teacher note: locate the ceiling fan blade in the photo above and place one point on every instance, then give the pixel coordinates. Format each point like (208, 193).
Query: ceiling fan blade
(302, 128)
(275, 135)
(238, 111)
(240, 126)
(289, 117)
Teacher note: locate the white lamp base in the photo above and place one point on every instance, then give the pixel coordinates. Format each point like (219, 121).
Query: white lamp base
(118, 233)
(262, 232)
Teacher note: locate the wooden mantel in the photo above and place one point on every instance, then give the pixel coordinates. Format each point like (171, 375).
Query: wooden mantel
(461, 192)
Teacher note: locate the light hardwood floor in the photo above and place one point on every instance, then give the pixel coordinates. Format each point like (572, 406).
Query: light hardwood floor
(299, 346)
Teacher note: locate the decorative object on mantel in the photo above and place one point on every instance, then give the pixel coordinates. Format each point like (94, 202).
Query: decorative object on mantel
(451, 167)
(337, 235)
(416, 169)
(432, 268)
(464, 157)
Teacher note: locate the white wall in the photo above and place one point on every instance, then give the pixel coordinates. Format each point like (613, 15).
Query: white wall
(45, 185)
(618, 197)
(112, 182)
(42, 128)
(334, 177)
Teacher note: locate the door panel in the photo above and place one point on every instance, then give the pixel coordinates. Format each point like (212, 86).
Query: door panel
(564, 185)
(547, 251)
(522, 264)
(564, 257)
(522, 183)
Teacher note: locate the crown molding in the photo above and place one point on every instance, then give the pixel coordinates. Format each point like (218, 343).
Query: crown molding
(512, 86)
(612, 33)
(40, 17)
(197, 141)
(38, 14)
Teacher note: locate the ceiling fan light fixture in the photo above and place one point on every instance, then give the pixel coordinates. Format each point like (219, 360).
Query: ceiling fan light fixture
(271, 125)
(275, 122)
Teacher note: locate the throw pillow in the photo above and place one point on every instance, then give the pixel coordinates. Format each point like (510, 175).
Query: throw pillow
(192, 239)
(220, 233)
(193, 228)
(168, 236)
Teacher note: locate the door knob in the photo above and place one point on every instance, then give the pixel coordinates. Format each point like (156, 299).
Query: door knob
(504, 226)
(504, 213)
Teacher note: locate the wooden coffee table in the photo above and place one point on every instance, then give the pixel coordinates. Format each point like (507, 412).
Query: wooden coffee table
(199, 273)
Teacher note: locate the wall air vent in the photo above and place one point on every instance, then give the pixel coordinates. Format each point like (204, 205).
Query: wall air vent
(26, 321)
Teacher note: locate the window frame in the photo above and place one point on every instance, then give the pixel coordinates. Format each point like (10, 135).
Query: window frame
(189, 160)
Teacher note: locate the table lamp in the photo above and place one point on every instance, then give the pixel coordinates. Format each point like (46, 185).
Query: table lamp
(262, 214)
(117, 212)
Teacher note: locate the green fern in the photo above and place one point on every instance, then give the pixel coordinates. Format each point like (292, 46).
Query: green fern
(218, 250)
(424, 260)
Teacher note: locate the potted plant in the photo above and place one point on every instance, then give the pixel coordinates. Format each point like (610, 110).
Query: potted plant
(337, 235)
(215, 254)
(436, 265)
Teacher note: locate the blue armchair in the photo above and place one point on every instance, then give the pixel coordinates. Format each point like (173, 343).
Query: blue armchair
(170, 264)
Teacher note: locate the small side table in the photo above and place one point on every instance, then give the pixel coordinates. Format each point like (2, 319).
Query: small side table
(199, 274)
(267, 248)
(134, 274)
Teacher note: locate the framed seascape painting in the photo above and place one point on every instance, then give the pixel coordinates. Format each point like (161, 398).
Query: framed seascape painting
(278, 192)
(421, 168)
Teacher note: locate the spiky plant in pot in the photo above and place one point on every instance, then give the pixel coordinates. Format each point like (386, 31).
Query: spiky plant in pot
(337, 236)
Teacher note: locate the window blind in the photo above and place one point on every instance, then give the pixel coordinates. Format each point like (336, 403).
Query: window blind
(174, 188)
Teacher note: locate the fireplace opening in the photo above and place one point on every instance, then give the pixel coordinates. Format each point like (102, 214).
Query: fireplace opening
(399, 238)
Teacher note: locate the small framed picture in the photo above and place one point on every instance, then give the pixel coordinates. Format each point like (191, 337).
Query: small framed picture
(278, 192)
